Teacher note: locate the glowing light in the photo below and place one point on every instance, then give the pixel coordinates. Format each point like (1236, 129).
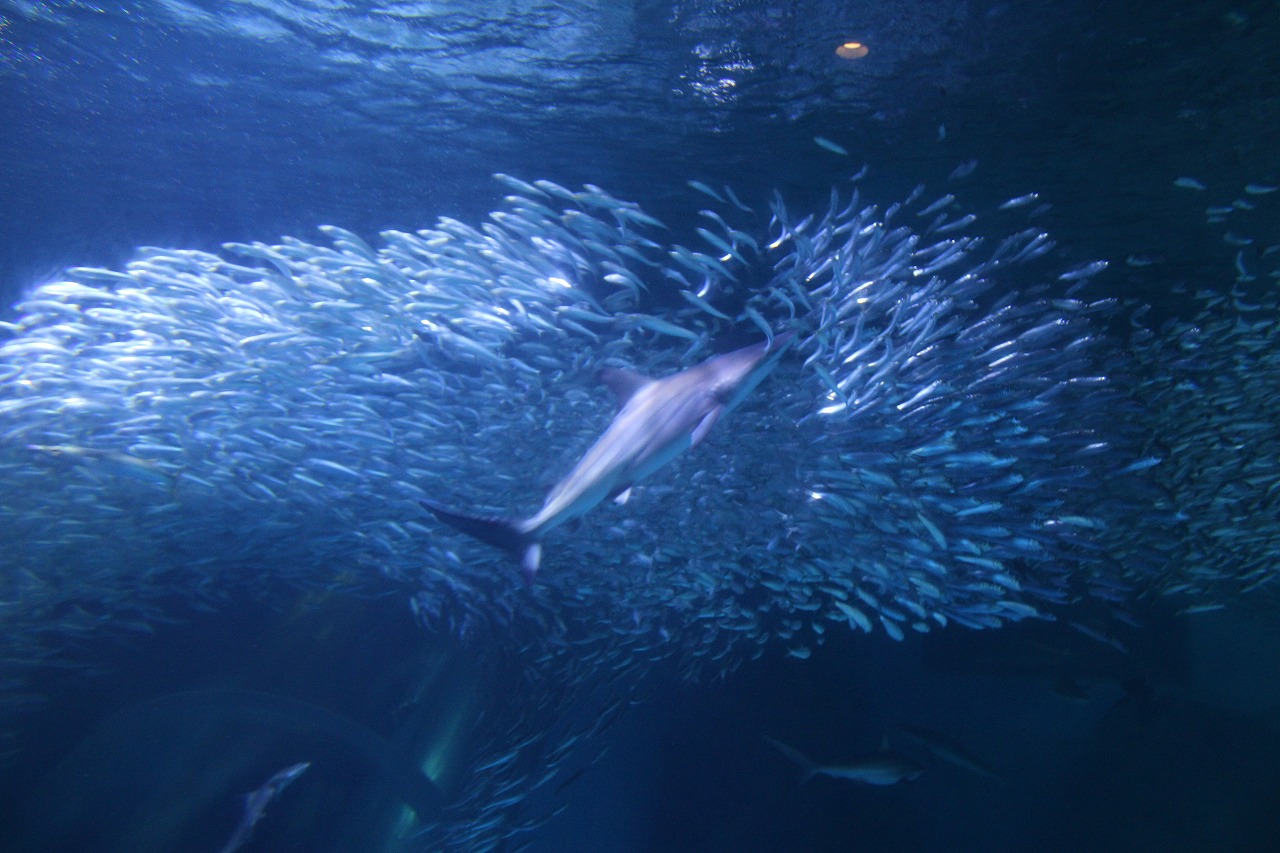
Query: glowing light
(852, 50)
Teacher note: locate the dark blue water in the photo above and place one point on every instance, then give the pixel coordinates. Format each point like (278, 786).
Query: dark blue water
(192, 124)
(156, 126)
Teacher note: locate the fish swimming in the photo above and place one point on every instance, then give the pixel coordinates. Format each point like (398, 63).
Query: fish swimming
(883, 767)
(658, 420)
(945, 749)
(256, 802)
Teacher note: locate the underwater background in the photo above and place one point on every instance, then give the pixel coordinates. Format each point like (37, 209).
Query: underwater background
(987, 562)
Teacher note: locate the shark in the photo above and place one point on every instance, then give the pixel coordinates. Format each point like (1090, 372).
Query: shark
(883, 767)
(256, 802)
(657, 420)
(945, 749)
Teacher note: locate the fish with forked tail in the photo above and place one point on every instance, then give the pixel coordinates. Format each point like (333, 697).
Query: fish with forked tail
(658, 420)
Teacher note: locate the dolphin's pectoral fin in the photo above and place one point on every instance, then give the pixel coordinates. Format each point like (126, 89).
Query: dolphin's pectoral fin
(704, 426)
(623, 495)
(623, 383)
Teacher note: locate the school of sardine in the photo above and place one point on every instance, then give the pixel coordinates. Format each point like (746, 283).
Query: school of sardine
(1209, 385)
(953, 438)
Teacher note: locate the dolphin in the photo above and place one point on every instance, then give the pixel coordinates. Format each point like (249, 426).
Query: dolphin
(657, 420)
(884, 767)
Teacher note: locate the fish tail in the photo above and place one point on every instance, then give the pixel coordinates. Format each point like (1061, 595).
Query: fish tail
(802, 761)
(780, 340)
(504, 533)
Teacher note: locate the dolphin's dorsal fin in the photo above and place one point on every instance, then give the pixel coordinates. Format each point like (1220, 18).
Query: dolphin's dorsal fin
(623, 383)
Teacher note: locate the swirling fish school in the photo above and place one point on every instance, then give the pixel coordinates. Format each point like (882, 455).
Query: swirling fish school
(930, 457)
(193, 413)
(960, 425)
(1208, 384)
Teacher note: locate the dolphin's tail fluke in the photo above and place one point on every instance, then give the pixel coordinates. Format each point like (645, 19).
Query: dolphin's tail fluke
(806, 766)
(503, 533)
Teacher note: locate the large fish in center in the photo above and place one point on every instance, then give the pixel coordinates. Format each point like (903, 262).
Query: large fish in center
(658, 419)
